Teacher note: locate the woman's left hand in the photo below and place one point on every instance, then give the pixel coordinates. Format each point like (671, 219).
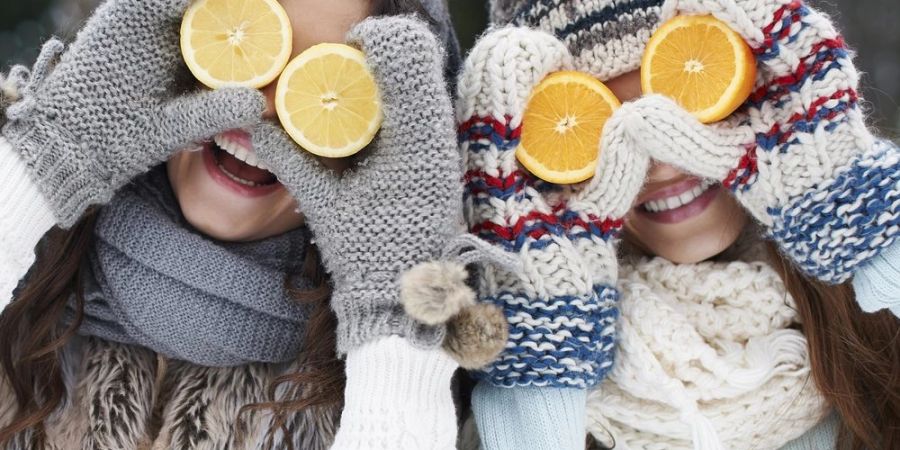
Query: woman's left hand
(398, 208)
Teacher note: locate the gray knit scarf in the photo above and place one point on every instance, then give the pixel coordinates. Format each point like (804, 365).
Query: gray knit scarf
(156, 282)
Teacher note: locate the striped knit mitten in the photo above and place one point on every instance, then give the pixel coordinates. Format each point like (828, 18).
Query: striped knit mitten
(561, 309)
(798, 155)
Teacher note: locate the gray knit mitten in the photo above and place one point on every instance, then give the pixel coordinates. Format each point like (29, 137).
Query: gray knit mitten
(401, 205)
(104, 112)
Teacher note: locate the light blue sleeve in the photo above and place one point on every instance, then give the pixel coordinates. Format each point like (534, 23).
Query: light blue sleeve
(533, 418)
(822, 437)
(877, 284)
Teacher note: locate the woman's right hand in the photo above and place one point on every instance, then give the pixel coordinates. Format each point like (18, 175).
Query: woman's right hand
(105, 111)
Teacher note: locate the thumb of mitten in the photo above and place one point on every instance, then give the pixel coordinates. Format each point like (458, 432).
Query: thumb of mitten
(671, 135)
(196, 117)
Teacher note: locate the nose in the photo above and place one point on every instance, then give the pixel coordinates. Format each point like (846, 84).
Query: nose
(269, 92)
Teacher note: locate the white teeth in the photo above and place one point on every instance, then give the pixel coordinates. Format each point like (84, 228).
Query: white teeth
(677, 201)
(238, 151)
(235, 178)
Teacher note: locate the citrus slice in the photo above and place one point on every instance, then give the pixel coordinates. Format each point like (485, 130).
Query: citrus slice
(328, 101)
(701, 63)
(562, 126)
(236, 42)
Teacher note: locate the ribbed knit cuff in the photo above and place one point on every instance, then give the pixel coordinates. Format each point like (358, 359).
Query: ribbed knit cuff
(397, 397)
(536, 418)
(877, 284)
(366, 315)
(61, 169)
(25, 217)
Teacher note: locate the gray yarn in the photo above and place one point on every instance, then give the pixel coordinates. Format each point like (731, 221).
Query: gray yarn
(402, 203)
(447, 33)
(104, 113)
(155, 282)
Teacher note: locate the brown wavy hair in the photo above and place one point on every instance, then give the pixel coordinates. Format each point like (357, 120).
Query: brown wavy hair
(31, 335)
(855, 357)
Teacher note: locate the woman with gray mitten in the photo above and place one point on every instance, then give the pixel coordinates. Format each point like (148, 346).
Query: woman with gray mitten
(168, 298)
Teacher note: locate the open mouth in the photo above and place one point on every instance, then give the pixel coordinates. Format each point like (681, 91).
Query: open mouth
(679, 202)
(230, 160)
(239, 163)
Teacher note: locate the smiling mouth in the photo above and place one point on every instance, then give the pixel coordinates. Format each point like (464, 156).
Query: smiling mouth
(679, 201)
(673, 202)
(239, 163)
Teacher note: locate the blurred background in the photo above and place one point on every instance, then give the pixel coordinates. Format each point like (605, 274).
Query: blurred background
(870, 26)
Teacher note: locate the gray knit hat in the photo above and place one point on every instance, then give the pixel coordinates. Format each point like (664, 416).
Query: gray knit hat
(606, 37)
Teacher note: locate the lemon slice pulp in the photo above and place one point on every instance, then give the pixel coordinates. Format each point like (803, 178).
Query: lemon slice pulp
(328, 101)
(236, 42)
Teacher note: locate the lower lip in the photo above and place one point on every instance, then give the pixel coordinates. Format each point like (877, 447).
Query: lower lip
(685, 212)
(209, 160)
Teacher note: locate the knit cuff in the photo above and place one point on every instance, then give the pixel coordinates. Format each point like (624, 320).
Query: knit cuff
(877, 284)
(566, 341)
(60, 170)
(833, 230)
(536, 418)
(25, 218)
(397, 397)
(365, 315)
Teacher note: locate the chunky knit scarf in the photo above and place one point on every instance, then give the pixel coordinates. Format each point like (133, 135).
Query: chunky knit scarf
(158, 283)
(708, 359)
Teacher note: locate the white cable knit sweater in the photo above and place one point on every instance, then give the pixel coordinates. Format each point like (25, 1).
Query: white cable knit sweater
(708, 359)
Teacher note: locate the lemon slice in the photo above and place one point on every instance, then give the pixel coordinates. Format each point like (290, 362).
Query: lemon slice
(562, 127)
(701, 63)
(328, 101)
(236, 42)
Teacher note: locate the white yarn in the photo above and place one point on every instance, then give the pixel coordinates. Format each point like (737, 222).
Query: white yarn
(707, 360)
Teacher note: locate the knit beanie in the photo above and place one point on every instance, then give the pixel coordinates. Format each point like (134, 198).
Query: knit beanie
(606, 37)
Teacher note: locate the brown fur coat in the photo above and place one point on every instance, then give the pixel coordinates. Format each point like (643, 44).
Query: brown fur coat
(125, 397)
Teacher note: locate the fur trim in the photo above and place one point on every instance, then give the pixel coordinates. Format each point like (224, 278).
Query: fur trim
(477, 335)
(434, 292)
(124, 399)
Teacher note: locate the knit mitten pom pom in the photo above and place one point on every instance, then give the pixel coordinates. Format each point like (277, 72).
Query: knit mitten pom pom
(435, 293)
(477, 335)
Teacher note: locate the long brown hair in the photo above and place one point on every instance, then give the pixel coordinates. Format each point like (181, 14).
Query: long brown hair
(855, 357)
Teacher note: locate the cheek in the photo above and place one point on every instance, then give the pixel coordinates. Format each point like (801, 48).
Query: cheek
(693, 240)
(218, 213)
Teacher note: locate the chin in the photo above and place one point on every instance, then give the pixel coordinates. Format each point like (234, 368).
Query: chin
(224, 206)
(700, 229)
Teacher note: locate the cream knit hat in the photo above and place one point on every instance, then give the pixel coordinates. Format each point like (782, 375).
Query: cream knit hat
(606, 37)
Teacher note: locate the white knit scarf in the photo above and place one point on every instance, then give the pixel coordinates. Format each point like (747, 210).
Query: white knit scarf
(707, 360)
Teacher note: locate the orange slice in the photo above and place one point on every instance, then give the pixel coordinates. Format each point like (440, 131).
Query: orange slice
(236, 42)
(702, 64)
(328, 101)
(562, 126)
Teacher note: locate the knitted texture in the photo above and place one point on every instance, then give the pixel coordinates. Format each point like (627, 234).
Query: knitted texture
(877, 284)
(391, 372)
(561, 307)
(26, 218)
(102, 113)
(534, 418)
(401, 205)
(709, 359)
(798, 155)
(606, 37)
(157, 283)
